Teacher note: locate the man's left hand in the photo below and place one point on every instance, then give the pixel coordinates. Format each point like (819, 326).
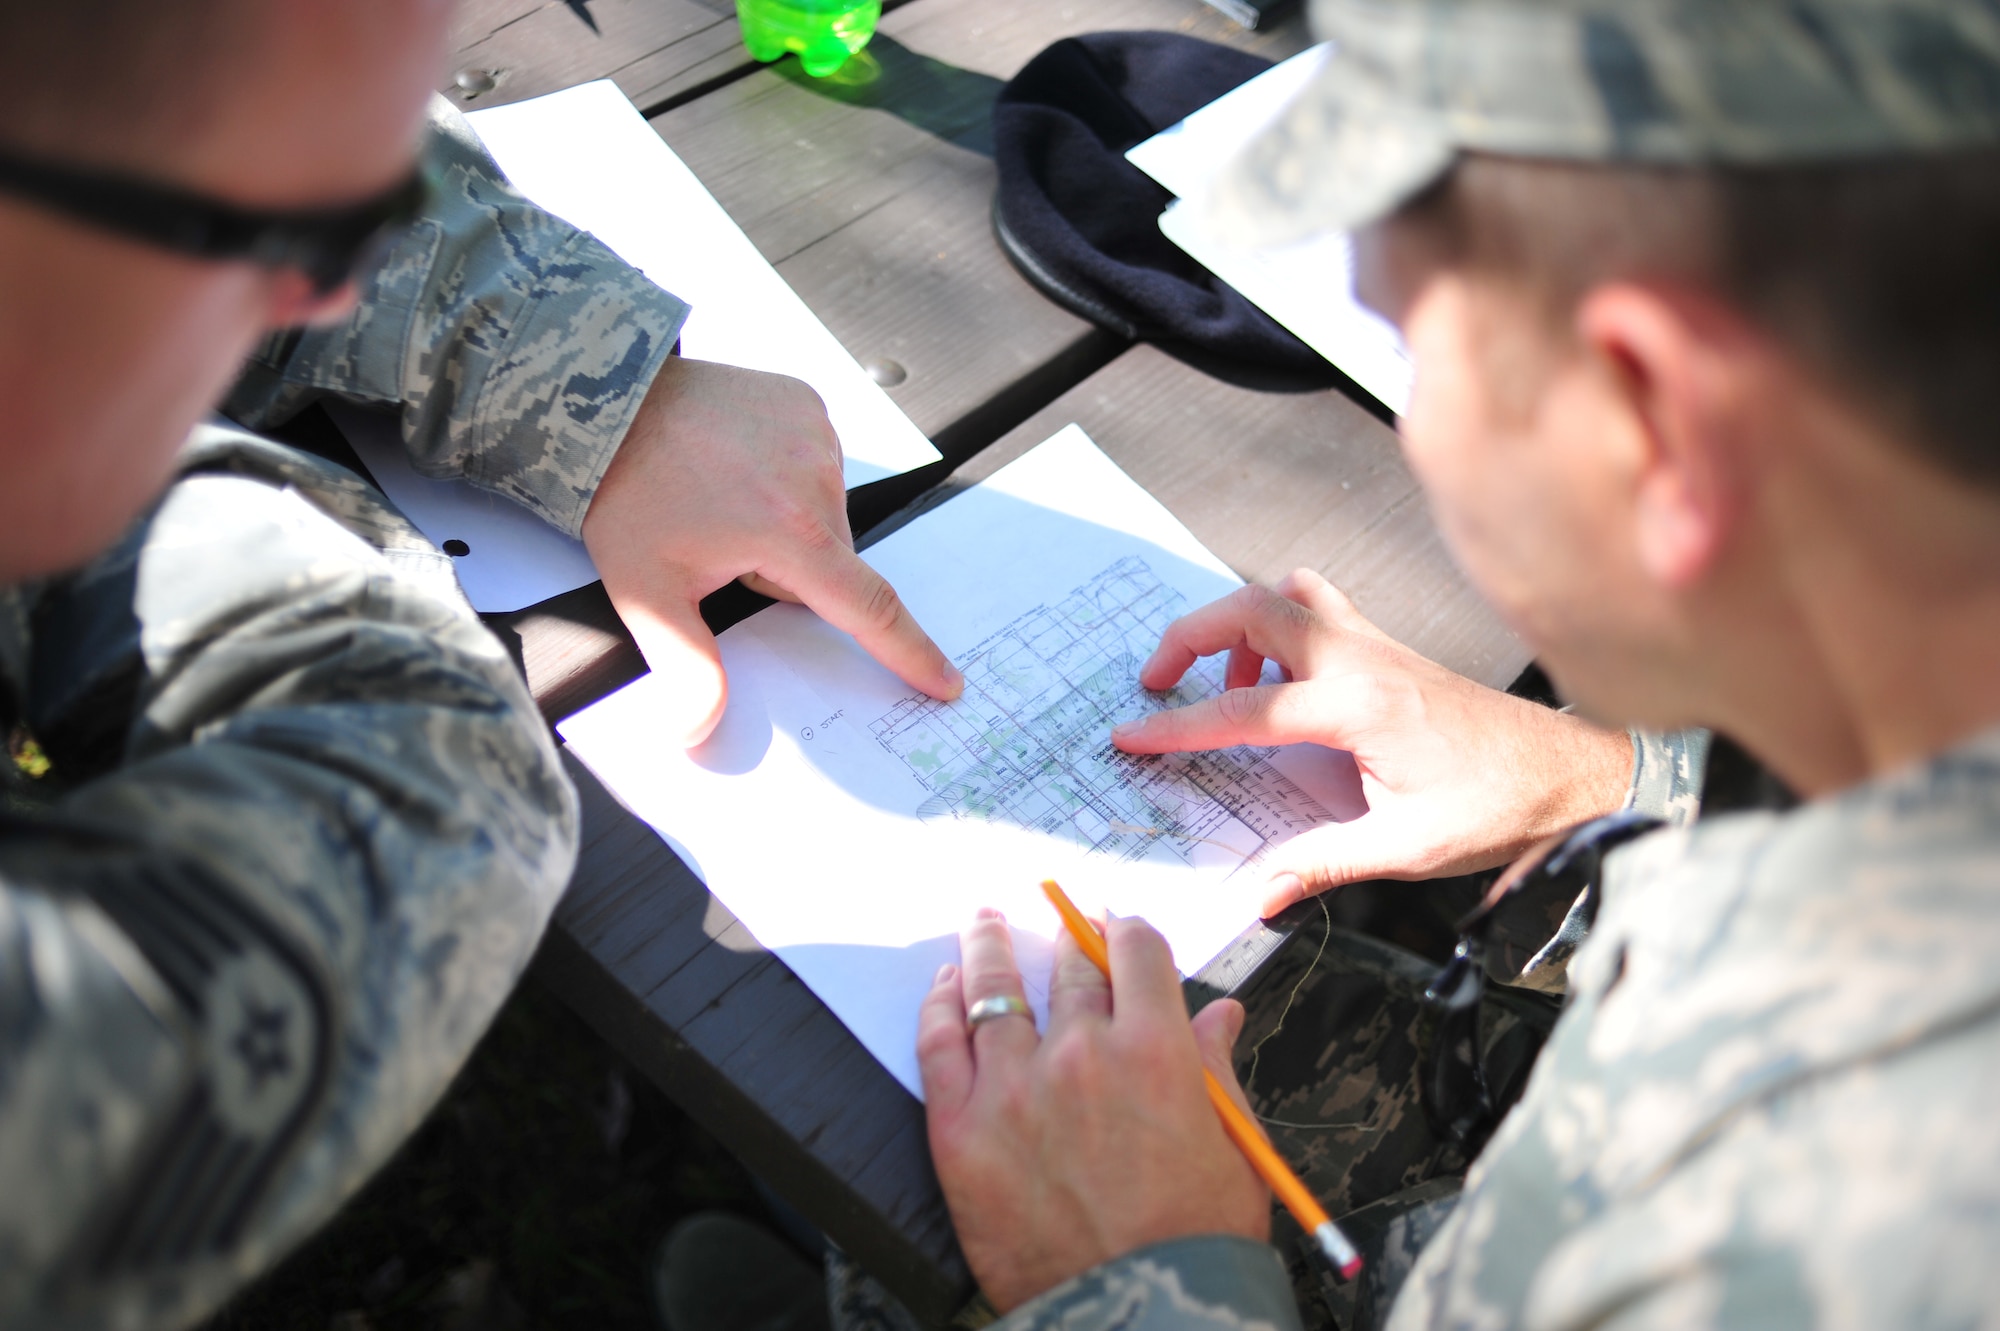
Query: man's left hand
(1060, 1152)
(725, 474)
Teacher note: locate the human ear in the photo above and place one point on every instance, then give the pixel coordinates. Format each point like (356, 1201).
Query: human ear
(1666, 361)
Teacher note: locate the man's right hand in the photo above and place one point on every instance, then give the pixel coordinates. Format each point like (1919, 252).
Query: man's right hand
(730, 474)
(1458, 776)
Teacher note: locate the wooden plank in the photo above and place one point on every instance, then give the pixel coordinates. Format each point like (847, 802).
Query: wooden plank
(663, 970)
(871, 191)
(474, 20)
(573, 648)
(654, 49)
(872, 195)
(674, 980)
(1273, 482)
(660, 52)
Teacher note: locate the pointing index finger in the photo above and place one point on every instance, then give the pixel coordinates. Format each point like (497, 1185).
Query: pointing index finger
(1264, 714)
(846, 593)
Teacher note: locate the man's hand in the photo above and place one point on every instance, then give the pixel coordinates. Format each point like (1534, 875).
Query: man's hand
(1458, 776)
(728, 474)
(1059, 1153)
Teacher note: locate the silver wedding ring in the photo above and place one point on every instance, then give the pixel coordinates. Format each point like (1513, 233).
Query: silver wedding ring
(1000, 1005)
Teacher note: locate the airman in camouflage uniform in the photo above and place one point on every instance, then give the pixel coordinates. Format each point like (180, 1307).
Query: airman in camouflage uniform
(1768, 1098)
(1769, 1101)
(302, 825)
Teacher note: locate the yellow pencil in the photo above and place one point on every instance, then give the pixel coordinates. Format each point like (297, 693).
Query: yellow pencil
(1249, 1139)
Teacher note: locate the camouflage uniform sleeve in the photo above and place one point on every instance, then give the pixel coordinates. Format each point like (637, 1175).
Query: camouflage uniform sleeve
(302, 830)
(1667, 772)
(516, 347)
(1213, 1282)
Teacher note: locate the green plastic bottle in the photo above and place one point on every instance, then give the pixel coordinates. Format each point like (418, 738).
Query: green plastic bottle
(823, 32)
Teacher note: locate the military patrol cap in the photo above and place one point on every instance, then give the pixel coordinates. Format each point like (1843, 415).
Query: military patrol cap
(1411, 84)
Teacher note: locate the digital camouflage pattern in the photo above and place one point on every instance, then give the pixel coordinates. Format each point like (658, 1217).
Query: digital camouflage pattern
(306, 831)
(1667, 777)
(302, 825)
(516, 347)
(1334, 1036)
(1334, 1040)
(1392, 1233)
(1213, 1283)
(1335, 1027)
(1770, 1100)
(1413, 83)
(1667, 773)
(856, 1301)
(1335, 1044)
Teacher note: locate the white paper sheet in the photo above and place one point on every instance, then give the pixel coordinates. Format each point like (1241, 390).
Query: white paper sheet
(855, 827)
(505, 557)
(588, 156)
(1307, 287)
(1186, 156)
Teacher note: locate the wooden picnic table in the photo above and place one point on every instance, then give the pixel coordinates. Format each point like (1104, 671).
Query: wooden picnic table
(870, 192)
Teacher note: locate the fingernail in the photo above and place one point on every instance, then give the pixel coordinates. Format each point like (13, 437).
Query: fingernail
(946, 973)
(1282, 891)
(988, 913)
(1232, 1019)
(1127, 730)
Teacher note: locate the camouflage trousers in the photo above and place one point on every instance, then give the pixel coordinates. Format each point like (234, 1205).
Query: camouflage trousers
(1333, 1047)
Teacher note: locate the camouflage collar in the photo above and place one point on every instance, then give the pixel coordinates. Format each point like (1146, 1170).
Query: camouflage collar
(1747, 957)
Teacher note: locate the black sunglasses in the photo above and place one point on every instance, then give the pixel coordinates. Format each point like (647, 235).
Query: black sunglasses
(1457, 1092)
(328, 245)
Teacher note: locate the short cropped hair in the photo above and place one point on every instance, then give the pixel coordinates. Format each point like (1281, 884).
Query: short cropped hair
(116, 80)
(1883, 277)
